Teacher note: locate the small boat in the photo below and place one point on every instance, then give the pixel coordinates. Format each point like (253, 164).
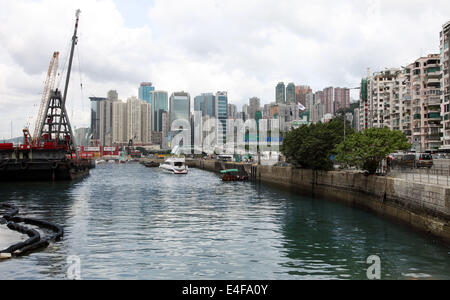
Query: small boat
(233, 175)
(175, 165)
(100, 161)
(151, 164)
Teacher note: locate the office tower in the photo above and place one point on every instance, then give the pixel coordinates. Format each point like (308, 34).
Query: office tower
(145, 90)
(180, 106)
(95, 119)
(82, 136)
(222, 115)
(206, 103)
(159, 104)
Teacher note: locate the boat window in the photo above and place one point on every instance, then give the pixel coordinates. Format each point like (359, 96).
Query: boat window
(178, 164)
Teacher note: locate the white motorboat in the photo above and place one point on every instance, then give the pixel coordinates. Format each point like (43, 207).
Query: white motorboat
(175, 165)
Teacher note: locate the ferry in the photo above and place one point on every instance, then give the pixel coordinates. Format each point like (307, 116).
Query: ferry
(175, 165)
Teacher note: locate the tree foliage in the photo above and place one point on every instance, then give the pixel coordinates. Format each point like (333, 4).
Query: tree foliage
(366, 149)
(311, 146)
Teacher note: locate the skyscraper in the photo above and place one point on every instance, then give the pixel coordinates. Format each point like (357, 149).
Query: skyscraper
(134, 120)
(280, 93)
(222, 115)
(120, 123)
(106, 119)
(445, 85)
(290, 93)
(300, 93)
(145, 122)
(206, 103)
(341, 98)
(180, 106)
(254, 106)
(232, 111)
(95, 118)
(328, 100)
(159, 104)
(144, 91)
(112, 95)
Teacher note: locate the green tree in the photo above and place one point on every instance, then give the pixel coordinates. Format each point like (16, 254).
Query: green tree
(366, 149)
(311, 146)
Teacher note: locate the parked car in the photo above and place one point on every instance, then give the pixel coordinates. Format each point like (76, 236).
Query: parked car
(404, 161)
(424, 160)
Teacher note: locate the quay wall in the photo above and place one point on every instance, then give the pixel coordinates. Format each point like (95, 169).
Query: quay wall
(425, 207)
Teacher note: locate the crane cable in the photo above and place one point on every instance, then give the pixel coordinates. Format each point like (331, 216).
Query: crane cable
(81, 78)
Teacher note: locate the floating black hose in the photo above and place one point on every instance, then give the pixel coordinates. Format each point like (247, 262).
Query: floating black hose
(35, 241)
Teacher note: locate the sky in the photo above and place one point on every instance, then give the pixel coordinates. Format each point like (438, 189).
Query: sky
(197, 46)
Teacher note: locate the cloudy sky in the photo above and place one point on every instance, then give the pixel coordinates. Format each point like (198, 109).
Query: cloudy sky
(243, 47)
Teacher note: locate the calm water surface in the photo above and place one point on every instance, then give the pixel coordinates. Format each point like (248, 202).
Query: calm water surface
(131, 222)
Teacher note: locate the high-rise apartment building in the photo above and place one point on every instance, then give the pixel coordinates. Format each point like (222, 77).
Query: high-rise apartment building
(280, 93)
(232, 111)
(317, 111)
(134, 120)
(300, 93)
(253, 107)
(245, 110)
(309, 101)
(266, 110)
(120, 123)
(405, 99)
(145, 90)
(328, 100)
(146, 113)
(341, 98)
(112, 95)
(426, 102)
(106, 119)
(445, 85)
(290, 93)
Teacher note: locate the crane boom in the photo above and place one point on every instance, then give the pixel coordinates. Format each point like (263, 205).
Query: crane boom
(48, 86)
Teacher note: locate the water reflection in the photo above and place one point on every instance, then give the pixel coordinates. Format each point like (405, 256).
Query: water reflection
(128, 221)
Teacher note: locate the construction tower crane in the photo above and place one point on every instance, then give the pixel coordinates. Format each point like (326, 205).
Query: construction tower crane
(48, 86)
(55, 128)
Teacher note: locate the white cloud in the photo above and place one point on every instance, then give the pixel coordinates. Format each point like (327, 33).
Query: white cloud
(244, 47)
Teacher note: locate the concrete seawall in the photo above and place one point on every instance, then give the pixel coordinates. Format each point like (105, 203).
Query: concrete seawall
(425, 207)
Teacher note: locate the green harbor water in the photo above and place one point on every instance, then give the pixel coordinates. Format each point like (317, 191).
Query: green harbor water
(132, 222)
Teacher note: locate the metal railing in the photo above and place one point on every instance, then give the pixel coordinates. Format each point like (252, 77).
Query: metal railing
(437, 176)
